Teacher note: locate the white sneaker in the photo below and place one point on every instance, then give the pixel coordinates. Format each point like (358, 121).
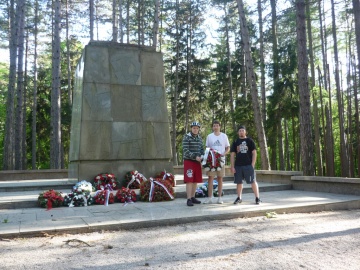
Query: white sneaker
(208, 201)
(220, 201)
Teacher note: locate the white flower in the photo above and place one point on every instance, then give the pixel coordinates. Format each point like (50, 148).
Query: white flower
(219, 168)
(213, 169)
(207, 169)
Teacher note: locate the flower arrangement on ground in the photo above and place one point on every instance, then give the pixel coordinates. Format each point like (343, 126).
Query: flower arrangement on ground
(133, 179)
(126, 195)
(84, 185)
(103, 179)
(104, 197)
(167, 177)
(80, 195)
(50, 199)
(213, 160)
(202, 191)
(156, 190)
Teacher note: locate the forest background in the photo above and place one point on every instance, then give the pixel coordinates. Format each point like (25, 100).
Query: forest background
(287, 70)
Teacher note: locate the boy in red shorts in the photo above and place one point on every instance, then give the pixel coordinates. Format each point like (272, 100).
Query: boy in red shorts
(193, 149)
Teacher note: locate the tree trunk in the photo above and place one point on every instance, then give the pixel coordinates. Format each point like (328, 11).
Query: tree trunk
(315, 105)
(24, 157)
(8, 157)
(265, 165)
(91, 6)
(345, 170)
(262, 62)
(280, 145)
(121, 30)
(68, 64)
(139, 21)
(114, 21)
(356, 8)
(34, 105)
(128, 21)
(325, 149)
(55, 144)
(176, 89)
(287, 149)
(228, 53)
(329, 157)
(275, 63)
(350, 134)
(19, 117)
(188, 60)
(156, 23)
(305, 113)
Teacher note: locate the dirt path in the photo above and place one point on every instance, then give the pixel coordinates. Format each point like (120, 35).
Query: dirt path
(326, 240)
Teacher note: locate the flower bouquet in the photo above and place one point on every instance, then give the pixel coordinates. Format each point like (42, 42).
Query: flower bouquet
(104, 197)
(84, 185)
(126, 195)
(213, 160)
(103, 179)
(133, 179)
(50, 199)
(167, 177)
(79, 197)
(156, 190)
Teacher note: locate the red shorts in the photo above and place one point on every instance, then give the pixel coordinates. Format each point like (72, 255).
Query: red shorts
(192, 172)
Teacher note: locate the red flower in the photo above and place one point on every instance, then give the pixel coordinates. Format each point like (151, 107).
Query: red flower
(158, 193)
(125, 195)
(167, 177)
(104, 179)
(100, 197)
(133, 179)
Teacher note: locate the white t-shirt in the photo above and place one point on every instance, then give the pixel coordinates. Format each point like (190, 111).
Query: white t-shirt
(218, 143)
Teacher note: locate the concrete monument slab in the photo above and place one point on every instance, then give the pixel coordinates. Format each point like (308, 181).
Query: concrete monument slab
(120, 119)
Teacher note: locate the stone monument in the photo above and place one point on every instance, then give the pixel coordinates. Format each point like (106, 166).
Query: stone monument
(119, 119)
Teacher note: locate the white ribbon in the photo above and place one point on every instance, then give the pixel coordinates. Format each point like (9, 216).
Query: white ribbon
(207, 151)
(213, 158)
(135, 177)
(153, 182)
(107, 195)
(81, 196)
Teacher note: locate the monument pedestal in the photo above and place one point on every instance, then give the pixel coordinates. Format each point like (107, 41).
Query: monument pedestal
(119, 118)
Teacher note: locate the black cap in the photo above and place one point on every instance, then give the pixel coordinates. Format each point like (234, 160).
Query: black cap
(241, 127)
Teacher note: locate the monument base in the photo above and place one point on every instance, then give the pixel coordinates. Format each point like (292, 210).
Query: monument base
(89, 169)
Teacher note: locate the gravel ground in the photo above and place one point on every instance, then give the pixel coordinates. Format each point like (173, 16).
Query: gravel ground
(325, 240)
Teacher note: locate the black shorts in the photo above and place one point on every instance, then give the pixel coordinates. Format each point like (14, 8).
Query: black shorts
(244, 172)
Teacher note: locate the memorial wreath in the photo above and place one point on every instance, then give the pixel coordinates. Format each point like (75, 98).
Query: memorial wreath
(156, 190)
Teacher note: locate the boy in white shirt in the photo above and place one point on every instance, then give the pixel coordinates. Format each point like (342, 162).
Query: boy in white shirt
(220, 142)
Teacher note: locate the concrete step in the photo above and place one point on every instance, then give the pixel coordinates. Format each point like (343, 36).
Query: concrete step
(28, 198)
(36, 184)
(61, 184)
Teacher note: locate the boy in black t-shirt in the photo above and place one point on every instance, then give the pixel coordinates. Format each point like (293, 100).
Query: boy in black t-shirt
(244, 149)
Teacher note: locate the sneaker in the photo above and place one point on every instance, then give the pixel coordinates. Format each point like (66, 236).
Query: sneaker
(220, 201)
(194, 200)
(189, 203)
(208, 201)
(257, 200)
(238, 200)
